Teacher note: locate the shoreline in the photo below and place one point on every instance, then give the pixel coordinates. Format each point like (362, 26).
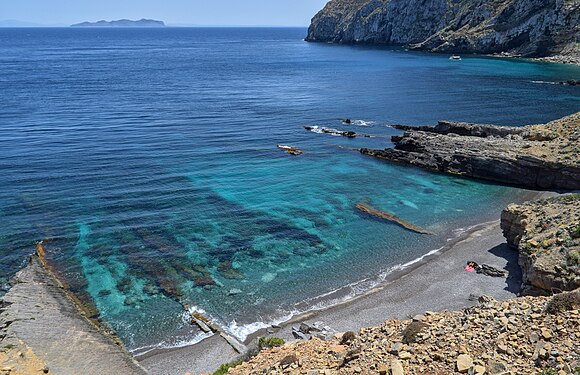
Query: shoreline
(400, 289)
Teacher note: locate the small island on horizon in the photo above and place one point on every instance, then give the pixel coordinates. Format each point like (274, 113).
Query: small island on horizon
(122, 23)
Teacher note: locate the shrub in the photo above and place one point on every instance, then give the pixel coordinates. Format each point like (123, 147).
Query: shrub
(563, 302)
(575, 232)
(270, 342)
(223, 369)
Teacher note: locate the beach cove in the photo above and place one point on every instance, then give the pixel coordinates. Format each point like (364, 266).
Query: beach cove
(184, 206)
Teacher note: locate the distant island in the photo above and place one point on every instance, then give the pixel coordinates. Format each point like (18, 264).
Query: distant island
(122, 23)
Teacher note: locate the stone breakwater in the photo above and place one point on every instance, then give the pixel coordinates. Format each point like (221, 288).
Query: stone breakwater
(540, 157)
(530, 28)
(546, 234)
(520, 336)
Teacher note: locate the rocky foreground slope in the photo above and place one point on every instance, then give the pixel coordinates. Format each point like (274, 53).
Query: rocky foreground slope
(521, 336)
(538, 156)
(546, 234)
(517, 27)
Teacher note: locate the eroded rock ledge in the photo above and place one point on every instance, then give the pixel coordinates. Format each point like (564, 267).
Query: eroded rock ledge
(540, 157)
(547, 235)
(42, 331)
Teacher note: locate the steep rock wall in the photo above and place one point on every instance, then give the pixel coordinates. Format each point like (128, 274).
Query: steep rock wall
(522, 27)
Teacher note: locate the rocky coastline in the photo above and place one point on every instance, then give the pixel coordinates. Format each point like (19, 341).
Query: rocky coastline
(546, 234)
(43, 330)
(520, 336)
(522, 28)
(541, 157)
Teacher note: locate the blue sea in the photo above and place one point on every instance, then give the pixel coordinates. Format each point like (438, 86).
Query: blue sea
(146, 162)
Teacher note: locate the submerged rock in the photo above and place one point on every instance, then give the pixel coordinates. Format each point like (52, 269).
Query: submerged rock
(291, 150)
(390, 217)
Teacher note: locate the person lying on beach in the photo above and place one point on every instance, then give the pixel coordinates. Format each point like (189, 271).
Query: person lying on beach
(484, 269)
(470, 266)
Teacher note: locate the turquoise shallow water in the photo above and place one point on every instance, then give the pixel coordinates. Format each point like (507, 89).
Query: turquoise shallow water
(147, 161)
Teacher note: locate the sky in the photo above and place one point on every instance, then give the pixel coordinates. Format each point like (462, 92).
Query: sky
(173, 12)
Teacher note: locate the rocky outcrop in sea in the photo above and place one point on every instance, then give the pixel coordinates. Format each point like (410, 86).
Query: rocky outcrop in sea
(122, 23)
(529, 28)
(538, 156)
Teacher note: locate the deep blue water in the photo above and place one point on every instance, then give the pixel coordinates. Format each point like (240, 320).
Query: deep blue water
(147, 161)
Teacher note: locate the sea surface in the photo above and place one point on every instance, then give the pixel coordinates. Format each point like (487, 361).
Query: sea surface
(146, 161)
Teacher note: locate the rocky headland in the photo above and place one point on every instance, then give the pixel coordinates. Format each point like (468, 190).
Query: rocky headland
(540, 157)
(529, 28)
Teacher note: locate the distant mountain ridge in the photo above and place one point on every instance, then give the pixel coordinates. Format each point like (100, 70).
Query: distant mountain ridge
(122, 23)
(531, 28)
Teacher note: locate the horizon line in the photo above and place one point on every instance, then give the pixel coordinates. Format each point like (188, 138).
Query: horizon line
(27, 25)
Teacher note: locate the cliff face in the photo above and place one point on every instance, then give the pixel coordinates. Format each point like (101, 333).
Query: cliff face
(547, 235)
(523, 27)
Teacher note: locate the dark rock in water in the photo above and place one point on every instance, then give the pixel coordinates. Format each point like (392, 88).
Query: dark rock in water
(204, 281)
(511, 27)
(347, 121)
(125, 284)
(390, 217)
(150, 289)
(104, 292)
(291, 150)
(572, 82)
(538, 156)
(349, 134)
(226, 269)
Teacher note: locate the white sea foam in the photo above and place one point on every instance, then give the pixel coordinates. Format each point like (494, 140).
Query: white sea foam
(325, 300)
(320, 302)
(178, 343)
(319, 130)
(363, 123)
